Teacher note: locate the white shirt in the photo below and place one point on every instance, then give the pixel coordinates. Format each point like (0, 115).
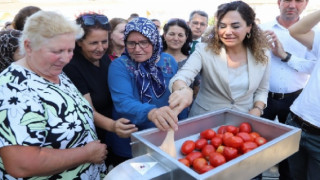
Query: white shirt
(238, 81)
(287, 77)
(307, 105)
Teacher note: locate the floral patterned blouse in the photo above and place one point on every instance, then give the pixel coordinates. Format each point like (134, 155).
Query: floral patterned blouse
(36, 112)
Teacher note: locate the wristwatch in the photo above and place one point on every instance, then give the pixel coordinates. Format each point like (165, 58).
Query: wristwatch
(287, 58)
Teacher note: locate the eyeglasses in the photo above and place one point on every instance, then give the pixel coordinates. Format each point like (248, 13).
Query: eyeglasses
(143, 44)
(90, 20)
(196, 23)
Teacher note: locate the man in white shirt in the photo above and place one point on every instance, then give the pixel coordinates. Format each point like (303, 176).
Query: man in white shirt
(198, 23)
(305, 164)
(287, 77)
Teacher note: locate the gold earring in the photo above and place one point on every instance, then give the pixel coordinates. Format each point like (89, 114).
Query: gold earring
(248, 35)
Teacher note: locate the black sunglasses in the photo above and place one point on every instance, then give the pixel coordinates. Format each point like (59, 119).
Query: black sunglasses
(90, 20)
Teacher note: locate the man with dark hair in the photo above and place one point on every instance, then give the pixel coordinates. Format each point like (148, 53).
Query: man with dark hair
(198, 23)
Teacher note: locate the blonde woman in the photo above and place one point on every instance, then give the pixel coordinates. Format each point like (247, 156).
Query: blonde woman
(47, 129)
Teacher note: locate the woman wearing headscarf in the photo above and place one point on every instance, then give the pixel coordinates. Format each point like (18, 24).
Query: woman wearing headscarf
(9, 47)
(138, 82)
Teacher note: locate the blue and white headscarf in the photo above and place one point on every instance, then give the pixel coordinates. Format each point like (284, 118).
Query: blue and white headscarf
(148, 75)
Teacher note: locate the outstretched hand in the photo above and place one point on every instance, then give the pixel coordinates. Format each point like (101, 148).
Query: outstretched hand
(180, 99)
(164, 118)
(123, 128)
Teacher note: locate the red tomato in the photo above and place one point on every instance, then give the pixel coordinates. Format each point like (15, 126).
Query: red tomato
(200, 143)
(245, 136)
(199, 163)
(245, 127)
(260, 140)
(193, 155)
(187, 147)
(219, 135)
(207, 134)
(233, 129)
(205, 168)
(216, 159)
(220, 149)
(207, 150)
(230, 153)
(248, 146)
(222, 129)
(184, 161)
(254, 135)
(234, 141)
(226, 136)
(216, 141)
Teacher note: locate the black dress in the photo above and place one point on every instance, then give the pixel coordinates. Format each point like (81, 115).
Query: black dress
(89, 78)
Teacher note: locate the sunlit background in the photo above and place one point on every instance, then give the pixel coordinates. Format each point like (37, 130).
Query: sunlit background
(161, 9)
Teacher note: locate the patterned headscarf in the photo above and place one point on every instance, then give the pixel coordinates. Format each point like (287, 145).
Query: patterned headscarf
(9, 43)
(148, 75)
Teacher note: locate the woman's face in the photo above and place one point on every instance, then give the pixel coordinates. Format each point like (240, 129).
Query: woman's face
(138, 53)
(117, 36)
(232, 29)
(175, 37)
(49, 60)
(95, 45)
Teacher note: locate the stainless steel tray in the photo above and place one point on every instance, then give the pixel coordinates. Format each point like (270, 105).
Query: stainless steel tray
(283, 141)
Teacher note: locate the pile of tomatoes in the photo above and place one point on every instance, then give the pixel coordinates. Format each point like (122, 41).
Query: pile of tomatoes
(213, 149)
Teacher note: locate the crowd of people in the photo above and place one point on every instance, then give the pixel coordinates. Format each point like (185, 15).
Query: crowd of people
(73, 92)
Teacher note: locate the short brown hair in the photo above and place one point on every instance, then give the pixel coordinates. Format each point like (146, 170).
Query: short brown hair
(20, 18)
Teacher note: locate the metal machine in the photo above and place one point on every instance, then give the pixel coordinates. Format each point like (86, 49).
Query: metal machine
(150, 162)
